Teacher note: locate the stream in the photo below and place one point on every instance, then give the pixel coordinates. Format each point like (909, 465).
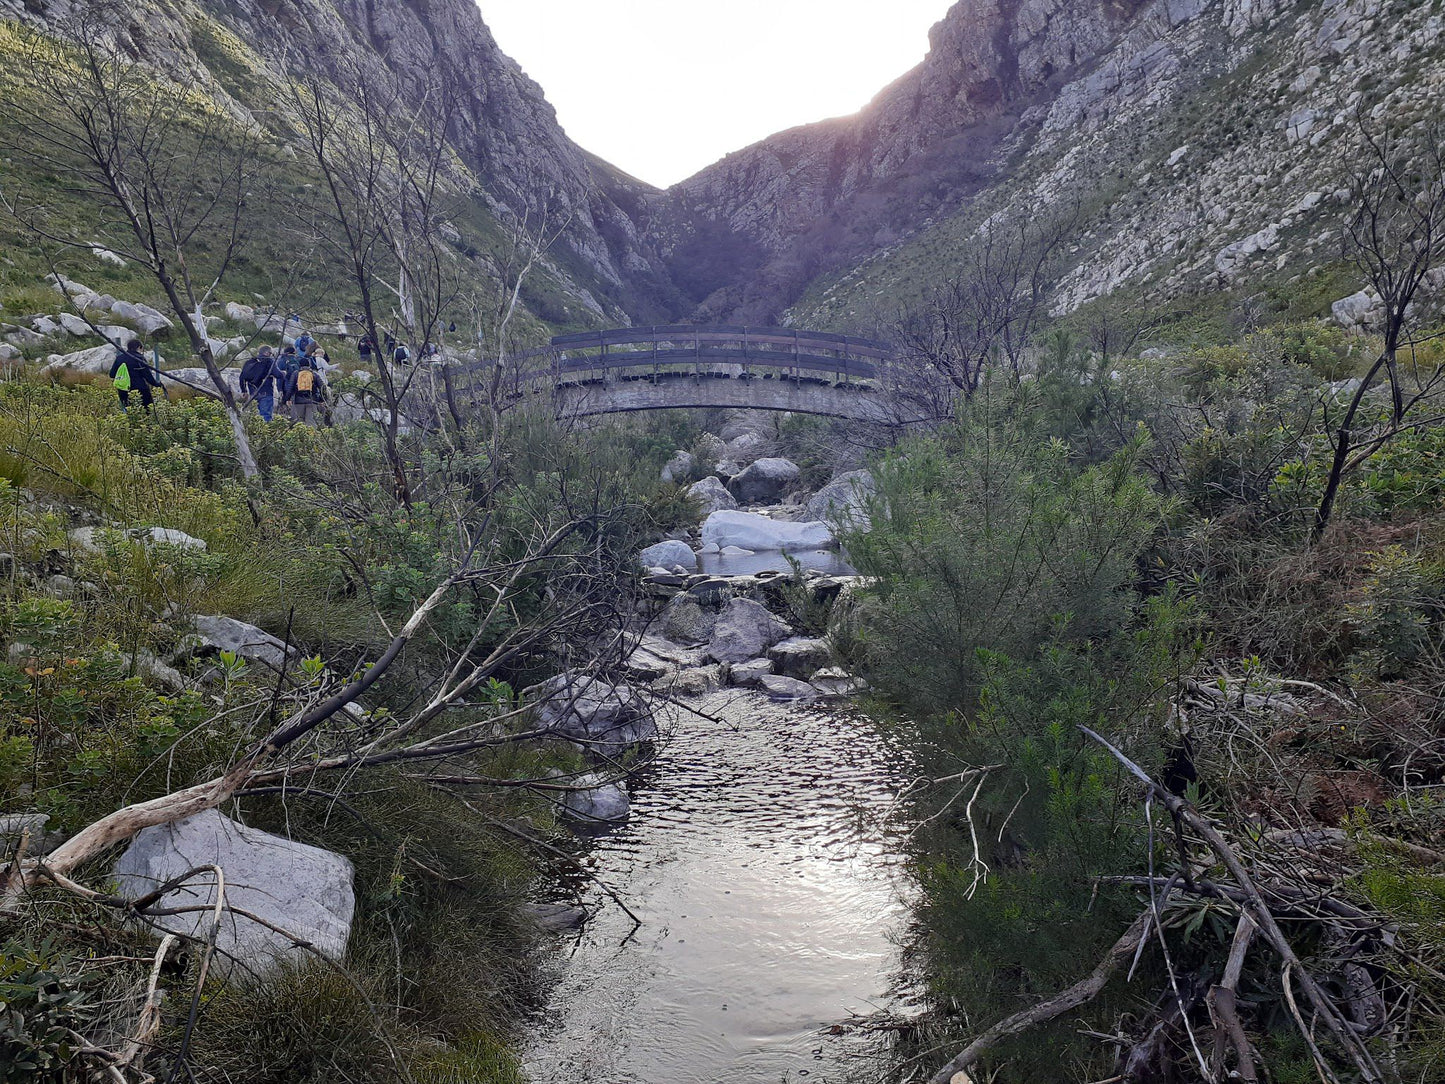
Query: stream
(770, 888)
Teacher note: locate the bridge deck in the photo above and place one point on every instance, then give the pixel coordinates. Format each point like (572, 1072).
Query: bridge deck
(598, 372)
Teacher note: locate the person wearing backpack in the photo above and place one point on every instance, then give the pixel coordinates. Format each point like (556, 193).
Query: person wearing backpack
(131, 372)
(303, 343)
(365, 347)
(400, 355)
(258, 382)
(305, 392)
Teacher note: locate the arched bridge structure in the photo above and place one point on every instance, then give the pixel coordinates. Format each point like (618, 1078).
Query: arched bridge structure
(682, 366)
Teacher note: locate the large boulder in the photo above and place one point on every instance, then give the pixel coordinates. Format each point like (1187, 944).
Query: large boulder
(95, 361)
(304, 890)
(744, 631)
(799, 656)
(1358, 311)
(843, 502)
(668, 555)
(596, 802)
(764, 480)
(779, 687)
(589, 710)
(752, 531)
(142, 317)
(682, 467)
(712, 495)
(219, 634)
(749, 675)
(685, 622)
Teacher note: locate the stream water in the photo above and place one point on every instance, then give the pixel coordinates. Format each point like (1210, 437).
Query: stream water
(760, 859)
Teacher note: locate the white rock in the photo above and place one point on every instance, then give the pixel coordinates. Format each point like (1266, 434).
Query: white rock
(712, 495)
(843, 502)
(246, 641)
(166, 536)
(735, 551)
(799, 656)
(1358, 310)
(589, 710)
(786, 688)
(74, 325)
(304, 890)
(102, 253)
(751, 531)
(145, 318)
(750, 674)
(680, 468)
(744, 630)
(46, 326)
(95, 361)
(668, 555)
(596, 802)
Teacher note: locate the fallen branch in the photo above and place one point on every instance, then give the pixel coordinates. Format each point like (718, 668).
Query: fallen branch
(1081, 993)
(1258, 910)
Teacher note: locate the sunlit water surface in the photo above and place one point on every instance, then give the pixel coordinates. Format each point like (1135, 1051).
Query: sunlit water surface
(762, 861)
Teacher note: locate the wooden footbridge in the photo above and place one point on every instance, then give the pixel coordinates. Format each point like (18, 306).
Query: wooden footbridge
(682, 366)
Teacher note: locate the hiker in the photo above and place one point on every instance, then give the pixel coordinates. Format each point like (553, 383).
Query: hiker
(430, 350)
(365, 347)
(258, 382)
(400, 355)
(305, 391)
(317, 353)
(131, 372)
(286, 366)
(303, 343)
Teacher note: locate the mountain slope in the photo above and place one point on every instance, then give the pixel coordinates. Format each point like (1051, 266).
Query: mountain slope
(1200, 143)
(503, 130)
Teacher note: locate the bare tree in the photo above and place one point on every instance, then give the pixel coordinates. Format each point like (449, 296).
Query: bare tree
(985, 315)
(173, 173)
(1397, 238)
(389, 181)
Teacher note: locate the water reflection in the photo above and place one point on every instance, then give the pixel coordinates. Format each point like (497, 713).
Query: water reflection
(830, 561)
(768, 888)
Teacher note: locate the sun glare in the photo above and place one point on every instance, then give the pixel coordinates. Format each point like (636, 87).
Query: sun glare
(662, 88)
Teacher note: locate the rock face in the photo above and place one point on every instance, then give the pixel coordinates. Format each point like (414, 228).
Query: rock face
(744, 631)
(764, 480)
(751, 531)
(592, 711)
(1223, 120)
(304, 890)
(843, 502)
(669, 555)
(503, 130)
(785, 688)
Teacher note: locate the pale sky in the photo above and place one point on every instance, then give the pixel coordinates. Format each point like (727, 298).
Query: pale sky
(662, 88)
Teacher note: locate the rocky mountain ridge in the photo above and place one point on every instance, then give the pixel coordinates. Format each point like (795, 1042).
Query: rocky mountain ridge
(502, 127)
(1202, 145)
(1199, 145)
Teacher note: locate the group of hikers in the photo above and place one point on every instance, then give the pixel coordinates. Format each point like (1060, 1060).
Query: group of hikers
(294, 377)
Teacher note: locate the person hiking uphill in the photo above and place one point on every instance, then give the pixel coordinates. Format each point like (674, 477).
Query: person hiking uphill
(305, 392)
(258, 382)
(131, 372)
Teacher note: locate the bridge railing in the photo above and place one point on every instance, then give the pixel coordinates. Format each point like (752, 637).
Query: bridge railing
(671, 350)
(665, 352)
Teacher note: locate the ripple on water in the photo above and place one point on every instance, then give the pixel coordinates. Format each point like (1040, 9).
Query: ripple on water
(768, 887)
